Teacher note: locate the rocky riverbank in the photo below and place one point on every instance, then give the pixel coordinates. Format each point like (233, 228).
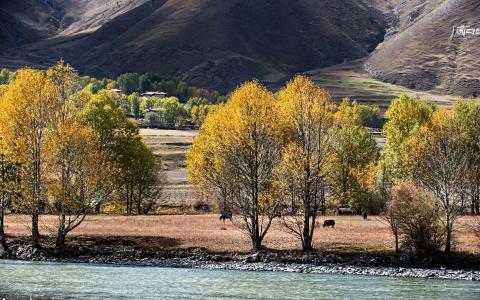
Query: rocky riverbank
(455, 266)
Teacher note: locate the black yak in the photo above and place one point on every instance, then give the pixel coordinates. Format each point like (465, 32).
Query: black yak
(329, 223)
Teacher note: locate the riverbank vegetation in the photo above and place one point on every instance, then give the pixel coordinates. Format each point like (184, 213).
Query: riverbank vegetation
(265, 158)
(66, 151)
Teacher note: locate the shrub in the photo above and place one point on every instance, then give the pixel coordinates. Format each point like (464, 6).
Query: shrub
(202, 206)
(417, 218)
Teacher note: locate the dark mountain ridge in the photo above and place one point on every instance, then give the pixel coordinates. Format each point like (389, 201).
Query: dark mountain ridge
(218, 43)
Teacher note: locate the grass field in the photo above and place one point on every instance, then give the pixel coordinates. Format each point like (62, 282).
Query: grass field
(172, 147)
(350, 80)
(351, 233)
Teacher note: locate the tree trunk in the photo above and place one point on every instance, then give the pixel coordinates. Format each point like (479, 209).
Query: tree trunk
(448, 241)
(257, 243)
(36, 184)
(60, 242)
(307, 244)
(396, 242)
(255, 234)
(476, 209)
(473, 200)
(35, 231)
(139, 201)
(322, 200)
(3, 240)
(307, 238)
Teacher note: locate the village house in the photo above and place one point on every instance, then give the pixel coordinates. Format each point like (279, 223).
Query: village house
(160, 95)
(116, 91)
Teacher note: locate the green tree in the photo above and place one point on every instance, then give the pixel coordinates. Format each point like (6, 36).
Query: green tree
(352, 166)
(192, 102)
(404, 117)
(173, 112)
(140, 176)
(114, 130)
(6, 76)
(128, 82)
(466, 114)
(147, 103)
(144, 83)
(134, 105)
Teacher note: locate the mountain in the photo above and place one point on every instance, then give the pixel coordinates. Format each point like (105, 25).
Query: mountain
(213, 43)
(218, 44)
(422, 52)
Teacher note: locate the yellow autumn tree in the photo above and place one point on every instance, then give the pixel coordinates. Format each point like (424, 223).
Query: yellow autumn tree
(235, 154)
(306, 120)
(440, 160)
(26, 111)
(72, 176)
(72, 155)
(8, 188)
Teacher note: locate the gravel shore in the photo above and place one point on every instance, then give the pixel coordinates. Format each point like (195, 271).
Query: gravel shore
(285, 261)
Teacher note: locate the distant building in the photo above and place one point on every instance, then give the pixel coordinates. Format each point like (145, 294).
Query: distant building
(154, 110)
(160, 95)
(116, 91)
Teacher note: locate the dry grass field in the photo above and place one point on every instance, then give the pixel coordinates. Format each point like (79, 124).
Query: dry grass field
(351, 233)
(172, 147)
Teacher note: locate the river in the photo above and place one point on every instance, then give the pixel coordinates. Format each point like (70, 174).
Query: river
(40, 280)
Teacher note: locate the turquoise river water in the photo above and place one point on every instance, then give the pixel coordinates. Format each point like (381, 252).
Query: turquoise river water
(39, 280)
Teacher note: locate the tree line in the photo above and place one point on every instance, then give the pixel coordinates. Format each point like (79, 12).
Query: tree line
(167, 112)
(291, 155)
(131, 83)
(184, 105)
(67, 151)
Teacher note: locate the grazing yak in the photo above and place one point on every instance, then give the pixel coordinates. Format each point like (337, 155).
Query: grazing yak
(365, 216)
(329, 223)
(226, 215)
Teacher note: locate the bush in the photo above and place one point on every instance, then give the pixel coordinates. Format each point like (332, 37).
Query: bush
(202, 206)
(153, 119)
(417, 217)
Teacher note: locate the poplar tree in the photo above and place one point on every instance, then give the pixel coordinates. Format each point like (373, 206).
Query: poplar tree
(27, 108)
(306, 116)
(240, 140)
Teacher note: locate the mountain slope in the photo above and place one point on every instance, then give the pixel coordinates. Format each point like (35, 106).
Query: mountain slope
(424, 55)
(216, 43)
